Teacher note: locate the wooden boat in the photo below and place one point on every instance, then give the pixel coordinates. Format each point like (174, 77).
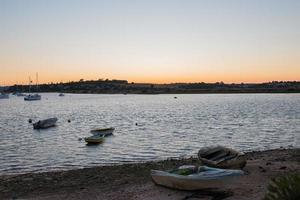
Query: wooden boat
(42, 124)
(95, 139)
(103, 131)
(195, 178)
(222, 157)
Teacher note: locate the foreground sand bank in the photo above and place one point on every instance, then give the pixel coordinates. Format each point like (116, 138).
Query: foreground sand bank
(132, 181)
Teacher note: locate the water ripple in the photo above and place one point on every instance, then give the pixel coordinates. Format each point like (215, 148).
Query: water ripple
(148, 127)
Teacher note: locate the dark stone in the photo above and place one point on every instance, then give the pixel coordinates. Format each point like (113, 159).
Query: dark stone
(282, 168)
(268, 163)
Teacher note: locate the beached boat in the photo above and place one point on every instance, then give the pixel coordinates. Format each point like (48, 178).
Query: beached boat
(103, 131)
(195, 178)
(4, 96)
(42, 124)
(222, 157)
(95, 139)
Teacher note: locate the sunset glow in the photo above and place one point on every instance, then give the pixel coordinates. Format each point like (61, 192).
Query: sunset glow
(149, 41)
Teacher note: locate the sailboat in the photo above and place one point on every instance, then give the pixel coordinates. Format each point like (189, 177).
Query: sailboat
(33, 97)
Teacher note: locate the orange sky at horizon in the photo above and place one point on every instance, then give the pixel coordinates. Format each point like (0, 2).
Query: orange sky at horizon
(150, 41)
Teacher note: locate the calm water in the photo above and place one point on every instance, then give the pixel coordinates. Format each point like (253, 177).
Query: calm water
(167, 127)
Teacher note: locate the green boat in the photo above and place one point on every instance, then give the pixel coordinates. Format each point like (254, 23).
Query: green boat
(95, 139)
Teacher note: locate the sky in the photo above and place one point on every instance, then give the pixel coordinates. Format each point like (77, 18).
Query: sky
(157, 41)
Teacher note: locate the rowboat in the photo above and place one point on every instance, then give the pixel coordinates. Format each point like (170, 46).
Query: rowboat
(95, 139)
(222, 157)
(195, 178)
(103, 131)
(42, 124)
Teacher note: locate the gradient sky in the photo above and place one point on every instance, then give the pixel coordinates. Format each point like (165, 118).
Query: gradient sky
(150, 41)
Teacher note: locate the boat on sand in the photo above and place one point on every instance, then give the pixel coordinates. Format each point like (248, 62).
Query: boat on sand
(222, 157)
(189, 177)
(42, 124)
(103, 131)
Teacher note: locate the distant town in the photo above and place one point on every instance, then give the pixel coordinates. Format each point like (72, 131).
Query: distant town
(107, 86)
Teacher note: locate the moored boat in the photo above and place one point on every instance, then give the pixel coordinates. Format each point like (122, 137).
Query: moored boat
(42, 124)
(195, 178)
(18, 94)
(32, 97)
(95, 139)
(103, 131)
(222, 157)
(4, 96)
(61, 94)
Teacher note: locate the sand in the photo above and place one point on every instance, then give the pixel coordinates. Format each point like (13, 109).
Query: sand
(133, 181)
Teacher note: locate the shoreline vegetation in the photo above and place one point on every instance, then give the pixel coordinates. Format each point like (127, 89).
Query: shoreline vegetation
(124, 87)
(133, 181)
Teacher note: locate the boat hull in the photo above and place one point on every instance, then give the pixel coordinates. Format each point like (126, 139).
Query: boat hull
(103, 132)
(47, 123)
(94, 139)
(222, 157)
(30, 97)
(195, 182)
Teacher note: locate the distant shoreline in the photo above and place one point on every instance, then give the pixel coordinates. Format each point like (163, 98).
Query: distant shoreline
(124, 87)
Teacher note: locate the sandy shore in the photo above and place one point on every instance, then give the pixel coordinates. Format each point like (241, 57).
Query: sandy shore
(132, 181)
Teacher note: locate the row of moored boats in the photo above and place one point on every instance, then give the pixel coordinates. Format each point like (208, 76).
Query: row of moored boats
(27, 97)
(98, 135)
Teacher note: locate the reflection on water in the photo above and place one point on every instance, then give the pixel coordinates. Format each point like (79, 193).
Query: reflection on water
(166, 127)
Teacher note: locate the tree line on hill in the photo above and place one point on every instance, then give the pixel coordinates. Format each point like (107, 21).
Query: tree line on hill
(124, 87)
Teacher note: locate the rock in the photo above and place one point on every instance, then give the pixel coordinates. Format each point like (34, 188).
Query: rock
(283, 167)
(262, 169)
(30, 121)
(268, 163)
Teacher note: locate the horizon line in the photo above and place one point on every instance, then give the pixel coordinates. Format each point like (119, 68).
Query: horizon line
(155, 83)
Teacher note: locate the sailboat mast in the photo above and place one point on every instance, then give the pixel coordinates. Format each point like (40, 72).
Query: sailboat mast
(29, 84)
(37, 79)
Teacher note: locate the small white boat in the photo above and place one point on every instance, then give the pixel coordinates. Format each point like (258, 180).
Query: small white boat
(195, 178)
(95, 139)
(61, 94)
(32, 97)
(222, 157)
(4, 96)
(103, 131)
(42, 124)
